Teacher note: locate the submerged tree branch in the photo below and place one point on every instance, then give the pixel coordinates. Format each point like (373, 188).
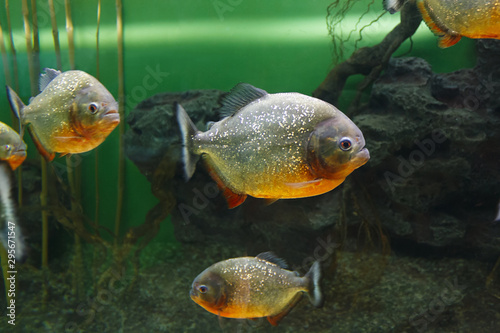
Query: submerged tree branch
(369, 61)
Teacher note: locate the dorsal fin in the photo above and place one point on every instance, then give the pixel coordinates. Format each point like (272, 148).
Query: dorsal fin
(272, 258)
(47, 77)
(241, 95)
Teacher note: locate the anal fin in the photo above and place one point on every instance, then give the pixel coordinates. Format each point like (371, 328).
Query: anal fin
(49, 156)
(447, 37)
(274, 320)
(233, 199)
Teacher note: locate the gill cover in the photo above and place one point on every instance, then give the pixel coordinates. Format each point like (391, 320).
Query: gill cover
(209, 289)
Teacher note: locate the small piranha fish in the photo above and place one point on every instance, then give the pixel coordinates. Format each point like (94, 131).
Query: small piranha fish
(452, 19)
(12, 155)
(255, 287)
(274, 146)
(12, 147)
(73, 114)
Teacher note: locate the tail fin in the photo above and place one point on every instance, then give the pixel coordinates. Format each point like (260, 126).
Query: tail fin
(314, 277)
(17, 106)
(393, 6)
(188, 130)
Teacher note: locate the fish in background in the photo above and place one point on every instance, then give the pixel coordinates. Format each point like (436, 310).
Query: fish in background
(274, 146)
(12, 155)
(452, 19)
(255, 287)
(73, 113)
(12, 147)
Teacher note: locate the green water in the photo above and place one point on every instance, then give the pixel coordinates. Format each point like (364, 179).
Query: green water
(275, 45)
(278, 46)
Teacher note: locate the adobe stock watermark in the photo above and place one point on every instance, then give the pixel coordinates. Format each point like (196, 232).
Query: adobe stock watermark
(323, 251)
(201, 200)
(451, 294)
(105, 296)
(224, 6)
(415, 160)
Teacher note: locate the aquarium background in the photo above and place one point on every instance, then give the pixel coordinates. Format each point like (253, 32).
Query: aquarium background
(176, 46)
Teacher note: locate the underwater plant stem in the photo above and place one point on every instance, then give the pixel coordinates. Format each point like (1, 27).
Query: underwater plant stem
(15, 123)
(121, 110)
(97, 75)
(5, 61)
(36, 41)
(369, 61)
(12, 47)
(77, 269)
(45, 217)
(97, 64)
(69, 30)
(29, 50)
(55, 34)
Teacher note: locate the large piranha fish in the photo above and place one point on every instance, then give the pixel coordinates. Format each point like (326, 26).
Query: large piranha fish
(274, 146)
(452, 19)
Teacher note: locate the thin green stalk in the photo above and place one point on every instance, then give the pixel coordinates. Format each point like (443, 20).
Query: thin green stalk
(36, 43)
(45, 218)
(77, 269)
(12, 47)
(34, 92)
(69, 29)
(97, 65)
(5, 61)
(29, 49)
(15, 124)
(121, 108)
(96, 175)
(55, 34)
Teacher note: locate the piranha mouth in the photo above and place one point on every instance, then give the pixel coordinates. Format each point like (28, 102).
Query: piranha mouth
(112, 115)
(363, 155)
(17, 158)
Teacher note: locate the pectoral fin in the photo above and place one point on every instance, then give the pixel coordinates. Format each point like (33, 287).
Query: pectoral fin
(274, 320)
(310, 183)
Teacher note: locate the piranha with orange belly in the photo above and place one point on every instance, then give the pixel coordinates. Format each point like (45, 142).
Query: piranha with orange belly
(12, 147)
(452, 19)
(74, 113)
(254, 287)
(274, 146)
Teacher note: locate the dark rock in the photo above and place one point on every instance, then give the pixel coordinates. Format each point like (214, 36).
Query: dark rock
(432, 180)
(153, 126)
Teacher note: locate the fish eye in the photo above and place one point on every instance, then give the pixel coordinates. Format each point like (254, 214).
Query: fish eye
(203, 289)
(8, 147)
(345, 144)
(93, 108)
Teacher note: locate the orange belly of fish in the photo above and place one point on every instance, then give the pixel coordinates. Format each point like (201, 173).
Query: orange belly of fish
(69, 142)
(484, 29)
(293, 190)
(239, 313)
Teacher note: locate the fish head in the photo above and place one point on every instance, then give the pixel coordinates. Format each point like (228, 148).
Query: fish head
(12, 147)
(336, 147)
(209, 291)
(95, 111)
